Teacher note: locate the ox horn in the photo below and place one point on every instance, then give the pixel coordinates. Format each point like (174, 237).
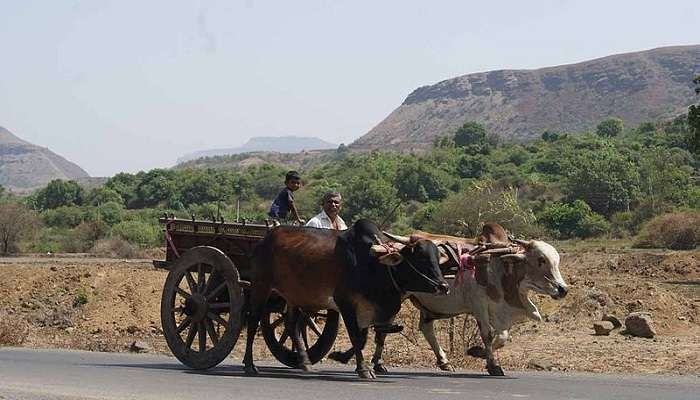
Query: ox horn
(378, 250)
(401, 239)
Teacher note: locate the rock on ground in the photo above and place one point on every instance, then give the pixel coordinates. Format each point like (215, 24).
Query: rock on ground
(639, 324)
(603, 327)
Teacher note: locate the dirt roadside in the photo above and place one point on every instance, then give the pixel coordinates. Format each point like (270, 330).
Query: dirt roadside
(106, 304)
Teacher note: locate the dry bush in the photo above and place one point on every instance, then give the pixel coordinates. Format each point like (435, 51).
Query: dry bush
(115, 248)
(676, 231)
(463, 214)
(13, 330)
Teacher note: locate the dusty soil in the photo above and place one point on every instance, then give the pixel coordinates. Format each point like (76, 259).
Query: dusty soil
(106, 304)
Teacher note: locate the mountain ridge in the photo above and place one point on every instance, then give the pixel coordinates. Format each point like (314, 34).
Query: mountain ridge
(25, 166)
(519, 104)
(279, 144)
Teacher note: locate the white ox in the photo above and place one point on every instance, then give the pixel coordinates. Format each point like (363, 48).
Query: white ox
(496, 304)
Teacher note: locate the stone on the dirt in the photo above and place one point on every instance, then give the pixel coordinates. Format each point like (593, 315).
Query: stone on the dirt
(639, 324)
(603, 327)
(132, 329)
(612, 319)
(140, 347)
(540, 365)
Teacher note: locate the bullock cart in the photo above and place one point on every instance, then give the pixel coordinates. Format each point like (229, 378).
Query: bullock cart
(205, 298)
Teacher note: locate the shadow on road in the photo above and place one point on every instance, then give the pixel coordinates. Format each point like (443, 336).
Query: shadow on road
(277, 372)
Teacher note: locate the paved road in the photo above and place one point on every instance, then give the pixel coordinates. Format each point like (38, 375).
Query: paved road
(67, 375)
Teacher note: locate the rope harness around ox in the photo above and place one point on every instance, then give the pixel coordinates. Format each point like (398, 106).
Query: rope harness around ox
(392, 249)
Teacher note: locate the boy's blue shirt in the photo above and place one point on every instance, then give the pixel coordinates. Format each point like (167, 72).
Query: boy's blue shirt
(280, 206)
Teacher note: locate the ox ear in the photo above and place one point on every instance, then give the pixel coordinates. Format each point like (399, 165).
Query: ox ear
(513, 258)
(397, 238)
(447, 253)
(391, 259)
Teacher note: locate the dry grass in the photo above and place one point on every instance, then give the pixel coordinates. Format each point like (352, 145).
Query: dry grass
(676, 231)
(13, 330)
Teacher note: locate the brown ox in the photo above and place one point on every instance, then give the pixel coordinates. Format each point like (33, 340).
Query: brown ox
(348, 271)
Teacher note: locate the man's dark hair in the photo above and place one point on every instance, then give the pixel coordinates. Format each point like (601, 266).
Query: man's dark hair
(291, 175)
(330, 195)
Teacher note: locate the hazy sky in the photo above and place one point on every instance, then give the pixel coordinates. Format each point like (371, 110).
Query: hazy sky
(132, 85)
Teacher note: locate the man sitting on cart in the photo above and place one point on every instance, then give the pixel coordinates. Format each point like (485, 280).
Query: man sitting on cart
(328, 218)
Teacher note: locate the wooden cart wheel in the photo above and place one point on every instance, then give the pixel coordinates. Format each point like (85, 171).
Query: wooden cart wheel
(200, 310)
(319, 333)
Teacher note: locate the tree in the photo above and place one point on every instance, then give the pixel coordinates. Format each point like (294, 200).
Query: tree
(605, 179)
(421, 182)
(471, 134)
(611, 127)
(694, 120)
(550, 136)
(59, 193)
(103, 195)
(16, 222)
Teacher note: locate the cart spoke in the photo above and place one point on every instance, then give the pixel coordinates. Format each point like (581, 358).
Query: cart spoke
(311, 324)
(217, 318)
(202, 337)
(219, 306)
(279, 321)
(200, 278)
(190, 336)
(305, 338)
(191, 283)
(284, 337)
(210, 281)
(212, 333)
(185, 323)
(216, 291)
(182, 293)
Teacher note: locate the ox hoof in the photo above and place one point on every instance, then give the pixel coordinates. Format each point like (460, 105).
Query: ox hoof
(477, 352)
(366, 374)
(446, 367)
(306, 368)
(495, 370)
(339, 357)
(380, 369)
(251, 370)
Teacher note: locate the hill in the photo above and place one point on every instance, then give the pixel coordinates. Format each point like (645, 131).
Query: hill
(302, 160)
(283, 144)
(25, 166)
(521, 104)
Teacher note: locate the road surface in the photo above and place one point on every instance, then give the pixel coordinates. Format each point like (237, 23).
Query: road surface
(66, 375)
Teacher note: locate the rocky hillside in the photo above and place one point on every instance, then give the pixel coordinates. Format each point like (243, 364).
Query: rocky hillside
(521, 104)
(284, 144)
(24, 166)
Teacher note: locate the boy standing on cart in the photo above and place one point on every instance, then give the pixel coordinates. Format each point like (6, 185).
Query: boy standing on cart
(284, 202)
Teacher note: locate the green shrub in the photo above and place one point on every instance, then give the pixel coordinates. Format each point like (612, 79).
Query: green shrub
(573, 220)
(676, 231)
(80, 299)
(137, 232)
